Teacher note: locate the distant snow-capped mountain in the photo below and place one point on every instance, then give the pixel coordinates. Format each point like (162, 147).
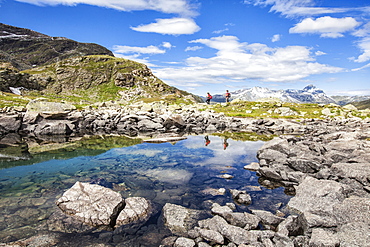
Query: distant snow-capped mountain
(309, 94)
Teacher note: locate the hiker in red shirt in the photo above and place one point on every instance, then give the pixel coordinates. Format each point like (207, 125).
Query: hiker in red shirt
(227, 96)
(209, 97)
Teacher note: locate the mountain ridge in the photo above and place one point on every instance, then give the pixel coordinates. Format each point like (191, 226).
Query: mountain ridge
(25, 48)
(309, 94)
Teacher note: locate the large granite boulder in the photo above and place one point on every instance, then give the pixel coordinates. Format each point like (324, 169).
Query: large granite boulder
(50, 109)
(147, 125)
(357, 171)
(98, 206)
(244, 220)
(353, 209)
(56, 127)
(354, 234)
(179, 220)
(48, 118)
(91, 203)
(234, 234)
(317, 199)
(174, 121)
(10, 123)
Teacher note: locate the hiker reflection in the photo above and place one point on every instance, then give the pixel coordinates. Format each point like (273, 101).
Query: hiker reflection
(226, 144)
(208, 141)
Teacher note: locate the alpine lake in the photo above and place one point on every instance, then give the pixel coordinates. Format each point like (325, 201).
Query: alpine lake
(188, 172)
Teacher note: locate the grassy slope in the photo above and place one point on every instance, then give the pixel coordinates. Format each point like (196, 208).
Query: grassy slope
(241, 109)
(92, 79)
(271, 110)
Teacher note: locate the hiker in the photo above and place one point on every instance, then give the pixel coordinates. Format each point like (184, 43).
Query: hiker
(209, 97)
(227, 96)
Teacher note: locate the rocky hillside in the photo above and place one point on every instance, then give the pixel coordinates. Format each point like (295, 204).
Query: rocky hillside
(24, 48)
(11, 77)
(101, 78)
(363, 104)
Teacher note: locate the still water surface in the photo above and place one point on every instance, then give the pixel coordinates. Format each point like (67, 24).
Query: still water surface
(186, 173)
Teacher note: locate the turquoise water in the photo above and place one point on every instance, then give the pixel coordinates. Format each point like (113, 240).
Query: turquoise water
(187, 173)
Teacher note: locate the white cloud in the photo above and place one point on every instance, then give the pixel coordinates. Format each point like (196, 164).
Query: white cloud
(172, 62)
(193, 48)
(364, 45)
(236, 61)
(276, 38)
(135, 52)
(361, 68)
(293, 8)
(220, 31)
(320, 53)
(364, 31)
(327, 27)
(167, 45)
(181, 7)
(222, 43)
(124, 49)
(174, 26)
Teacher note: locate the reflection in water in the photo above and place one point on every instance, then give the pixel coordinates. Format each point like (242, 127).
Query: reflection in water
(208, 141)
(33, 151)
(226, 144)
(186, 173)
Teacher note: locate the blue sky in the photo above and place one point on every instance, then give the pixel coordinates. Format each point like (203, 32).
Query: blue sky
(214, 45)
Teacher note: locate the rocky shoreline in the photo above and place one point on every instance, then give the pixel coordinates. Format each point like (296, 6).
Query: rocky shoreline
(326, 162)
(43, 118)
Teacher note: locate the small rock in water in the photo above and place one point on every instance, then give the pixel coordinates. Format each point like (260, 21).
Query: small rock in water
(241, 197)
(214, 192)
(101, 181)
(227, 176)
(222, 190)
